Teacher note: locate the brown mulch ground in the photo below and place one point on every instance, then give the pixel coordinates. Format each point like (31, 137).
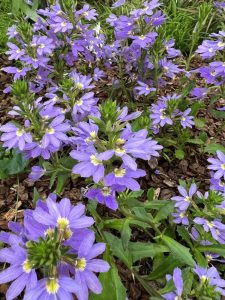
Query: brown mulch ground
(16, 193)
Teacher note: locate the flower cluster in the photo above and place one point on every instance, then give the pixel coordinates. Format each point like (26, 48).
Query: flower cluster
(166, 111)
(53, 253)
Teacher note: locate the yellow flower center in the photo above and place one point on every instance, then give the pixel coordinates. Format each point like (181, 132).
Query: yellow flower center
(221, 44)
(18, 51)
(63, 223)
(203, 278)
(223, 166)
(27, 266)
(50, 130)
(79, 102)
(63, 24)
(187, 199)
(41, 46)
(210, 224)
(95, 161)
(80, 85)
(142, 37)
(81, 264)
(166, 69)
(52, 286)
(49, 232)
(18, 70)
(19, 132)
(106, 191)
(119, 172)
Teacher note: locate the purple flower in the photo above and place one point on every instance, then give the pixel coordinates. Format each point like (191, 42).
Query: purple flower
(104, 195)
(14, 137)
(199, 93)
(186, 120)
(159, 115)
(216, 228)
(87, 264)
(218, 165)
(55, 133)
(169, 69)
(91, 164)
(211, 276)
(183, 201)
(53, 288)
(209, 48)
(82, 82)
(125, 177)
(178, 282)
(63, 215)
(43, 44)
(180, 217)
(36, 173)
(217, 184)
(145, 40)
(144, 89)
(118, 3)
(18, 73)
(20, 271)
(61, 25)
(85, 104)
(98, 74)
(87, 13)
(14, 52)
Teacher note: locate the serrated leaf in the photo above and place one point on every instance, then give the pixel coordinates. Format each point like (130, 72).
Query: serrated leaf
(166, 267)
(140, 250)
(212, 148)
(116, 247)
(179, 251)
(164, 212)
(125, 233)
(179, 154)
(218, 249)
(113, 288)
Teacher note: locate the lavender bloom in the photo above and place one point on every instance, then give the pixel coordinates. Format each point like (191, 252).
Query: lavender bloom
(145, 40)
(36, 173)
(86, 266)
(216, 228)
(82, 82)
(98, 74)
(183, 202)
(158, 114)
(43, 44)
(218, 165)
(125, 177)
(144, 89)
(87, 13)
(53, 288)
(105, 195)
(169, 69)
(217, 184)
(85, 104)
(63, 215)
(36, 149)
(199, 93)
(14, 52)
(14, 137)
(180, 217)
(178, 282)
(18, 73)
(20, 271)
(211, 276)
(61, 25)
(91, 164)
(118, 3)
(186, 120)
(209, 48)
(55, 133)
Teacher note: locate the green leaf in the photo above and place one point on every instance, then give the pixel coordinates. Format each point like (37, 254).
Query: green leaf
(151, 194)
(61, 181)
(196, 141)
(36, 196)
(188, 278)
(200, 123)
(16, 164)
(218, 113)
(218, 249)
(184, 235)
(140, 250)
(179, 251)
(164, 212)
(125, 233)
(115, 245)
(212, 148)
(179, 154)
(113, 288)
(201, 260)
(156, 204)
(166, 267)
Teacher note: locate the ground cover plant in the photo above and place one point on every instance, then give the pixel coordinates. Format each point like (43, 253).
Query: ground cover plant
(112, 151)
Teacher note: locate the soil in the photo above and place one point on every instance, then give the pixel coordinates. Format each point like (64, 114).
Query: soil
(16, 192)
